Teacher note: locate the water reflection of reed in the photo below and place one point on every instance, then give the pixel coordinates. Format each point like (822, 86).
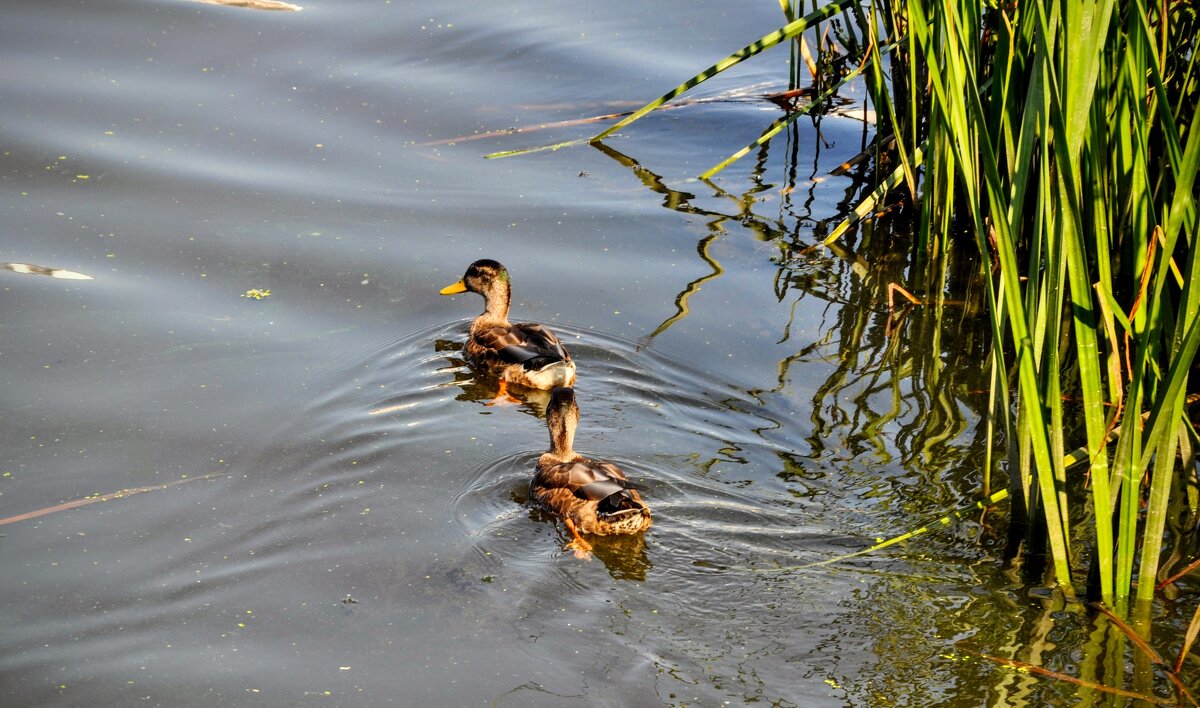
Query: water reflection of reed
(906, 383)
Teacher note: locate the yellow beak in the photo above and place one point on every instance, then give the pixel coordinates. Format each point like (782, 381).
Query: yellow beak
(459, 287)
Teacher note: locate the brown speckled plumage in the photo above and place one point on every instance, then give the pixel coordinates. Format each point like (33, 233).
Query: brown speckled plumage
(524, 354)
(591, 496)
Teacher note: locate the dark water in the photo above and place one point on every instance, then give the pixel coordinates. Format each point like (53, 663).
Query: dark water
(364, 538)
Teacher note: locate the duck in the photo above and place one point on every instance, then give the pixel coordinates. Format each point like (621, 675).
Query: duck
(590, 496)
(524, 354)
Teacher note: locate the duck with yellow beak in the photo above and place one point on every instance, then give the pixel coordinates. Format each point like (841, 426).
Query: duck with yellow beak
(525, 354)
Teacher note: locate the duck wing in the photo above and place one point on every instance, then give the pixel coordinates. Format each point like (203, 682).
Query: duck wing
(585, 479)
(530, 345)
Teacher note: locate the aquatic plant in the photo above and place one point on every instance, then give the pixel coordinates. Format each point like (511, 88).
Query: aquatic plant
(1059, 143)
(1061, 137)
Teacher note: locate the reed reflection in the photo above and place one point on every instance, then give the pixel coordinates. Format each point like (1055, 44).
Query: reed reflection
(903, 387)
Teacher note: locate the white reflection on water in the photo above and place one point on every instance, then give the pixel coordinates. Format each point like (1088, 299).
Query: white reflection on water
(31, 269)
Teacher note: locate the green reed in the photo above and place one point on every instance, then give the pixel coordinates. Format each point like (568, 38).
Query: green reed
(1058, 140)
(1069, 129)
(1062, 139)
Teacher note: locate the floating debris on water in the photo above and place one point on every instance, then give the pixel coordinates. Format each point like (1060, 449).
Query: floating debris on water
(31, 269)
(256, 4)
(256, 294)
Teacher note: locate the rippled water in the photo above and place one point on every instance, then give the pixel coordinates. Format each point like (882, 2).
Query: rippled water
(353, 527)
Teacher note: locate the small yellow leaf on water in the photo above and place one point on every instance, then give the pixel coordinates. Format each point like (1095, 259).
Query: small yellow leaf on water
(81, 176)
(257, 294)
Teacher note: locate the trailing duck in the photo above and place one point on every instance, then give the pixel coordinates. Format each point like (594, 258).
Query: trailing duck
(591, 496)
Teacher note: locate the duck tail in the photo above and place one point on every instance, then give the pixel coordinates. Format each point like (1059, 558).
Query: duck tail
(549, 373)
(622, 503)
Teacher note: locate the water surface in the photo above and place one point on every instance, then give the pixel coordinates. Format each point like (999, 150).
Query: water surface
(182, 154)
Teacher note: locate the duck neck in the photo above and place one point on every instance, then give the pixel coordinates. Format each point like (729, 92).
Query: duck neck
(562, 438)
(497, 298)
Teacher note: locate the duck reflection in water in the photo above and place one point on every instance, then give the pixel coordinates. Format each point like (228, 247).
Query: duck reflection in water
(480, 387)
(624, 557)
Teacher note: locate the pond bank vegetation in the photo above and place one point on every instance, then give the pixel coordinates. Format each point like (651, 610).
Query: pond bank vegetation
(1037, 162)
